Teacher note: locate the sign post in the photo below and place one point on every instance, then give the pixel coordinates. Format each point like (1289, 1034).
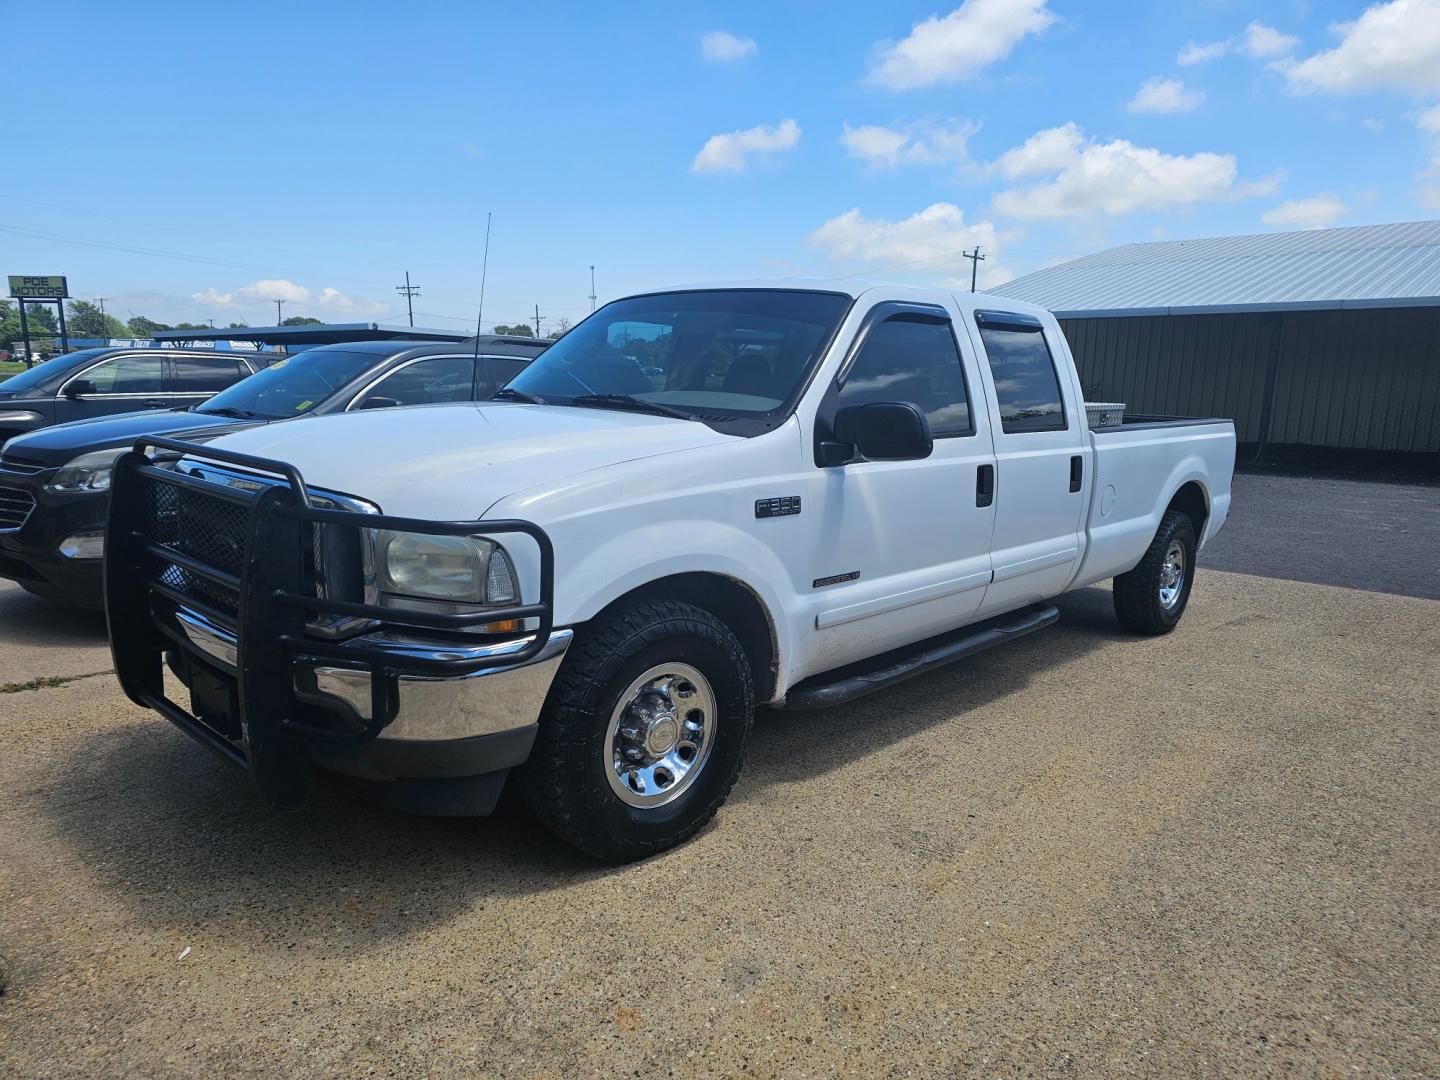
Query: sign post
(41, 289)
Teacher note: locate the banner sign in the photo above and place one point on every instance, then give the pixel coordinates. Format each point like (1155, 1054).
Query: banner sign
(38, 288)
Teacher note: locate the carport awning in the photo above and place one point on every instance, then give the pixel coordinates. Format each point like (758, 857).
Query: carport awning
(324, 334)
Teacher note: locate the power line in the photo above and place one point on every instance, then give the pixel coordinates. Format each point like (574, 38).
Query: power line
(132, 249)
(407, 290)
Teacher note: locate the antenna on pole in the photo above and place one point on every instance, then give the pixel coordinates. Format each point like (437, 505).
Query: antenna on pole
(975, 260)
(484, 269)
(592, 288)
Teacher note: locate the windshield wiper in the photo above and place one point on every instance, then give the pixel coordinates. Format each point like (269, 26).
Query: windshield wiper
(627, 401)
(509, 393)
(226, 410)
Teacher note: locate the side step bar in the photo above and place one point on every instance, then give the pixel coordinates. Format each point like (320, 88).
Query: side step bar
(860, 680)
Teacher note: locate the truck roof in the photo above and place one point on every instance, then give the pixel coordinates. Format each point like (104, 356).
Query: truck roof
(856, 287)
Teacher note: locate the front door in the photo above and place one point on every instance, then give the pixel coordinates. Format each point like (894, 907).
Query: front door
(1041, 486)
(900, 550)
(125, 383)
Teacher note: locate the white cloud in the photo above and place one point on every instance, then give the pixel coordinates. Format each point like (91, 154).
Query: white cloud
(1261, 42)
(1429, 120)
(1373, 123)
(258, 297)
(937, 230)
(919, 144)
(957, 46)
(1194, 53)
(1161, 95)
(1088, 177)
(1257, 41)
(731, 152)
(721, 47)
(1394, 46)
(1316, 212)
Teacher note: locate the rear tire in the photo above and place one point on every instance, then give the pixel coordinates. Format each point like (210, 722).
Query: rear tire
(643, 733)
(1151, 598)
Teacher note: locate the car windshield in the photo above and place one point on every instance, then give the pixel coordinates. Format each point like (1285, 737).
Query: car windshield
(33, 377)
(292, 386)
(733, 353)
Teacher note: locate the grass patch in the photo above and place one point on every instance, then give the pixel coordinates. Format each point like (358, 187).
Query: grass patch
(48, 681)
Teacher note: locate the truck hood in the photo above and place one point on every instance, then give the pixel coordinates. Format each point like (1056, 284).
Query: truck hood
(455, 461)
(58, 443)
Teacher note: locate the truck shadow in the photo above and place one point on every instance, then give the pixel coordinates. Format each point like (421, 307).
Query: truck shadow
(182, 840)
(791, 746)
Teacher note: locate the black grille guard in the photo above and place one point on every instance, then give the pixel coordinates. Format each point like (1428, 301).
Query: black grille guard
(276, 597)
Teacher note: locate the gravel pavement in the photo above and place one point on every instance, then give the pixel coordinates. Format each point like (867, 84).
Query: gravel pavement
(1084, 854)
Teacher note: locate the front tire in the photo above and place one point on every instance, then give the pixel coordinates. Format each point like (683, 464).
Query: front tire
(1151, 598)
(643, 733)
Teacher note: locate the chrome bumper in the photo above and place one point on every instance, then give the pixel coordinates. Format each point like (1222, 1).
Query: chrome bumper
(490, 701)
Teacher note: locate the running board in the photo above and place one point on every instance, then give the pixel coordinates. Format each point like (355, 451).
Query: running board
(855, 681)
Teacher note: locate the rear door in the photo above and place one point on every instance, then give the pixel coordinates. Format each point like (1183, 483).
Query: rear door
(124, 383)
(1041, 486)
(195, 379)
(496, 371)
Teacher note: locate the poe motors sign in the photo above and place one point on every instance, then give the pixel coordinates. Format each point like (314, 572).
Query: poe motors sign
(38, 288)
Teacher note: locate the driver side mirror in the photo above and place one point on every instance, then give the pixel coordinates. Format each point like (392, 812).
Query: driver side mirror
(76, 387)
(378, 402)
(878, 431)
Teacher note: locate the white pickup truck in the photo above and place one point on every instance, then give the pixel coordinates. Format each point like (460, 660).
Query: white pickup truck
(697, 502)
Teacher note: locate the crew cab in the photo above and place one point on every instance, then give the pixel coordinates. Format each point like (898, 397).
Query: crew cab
(697, 502)
(54, 483)
(88, 383)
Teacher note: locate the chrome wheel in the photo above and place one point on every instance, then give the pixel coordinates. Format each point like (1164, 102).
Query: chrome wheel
(1172, 575)
(660, 735)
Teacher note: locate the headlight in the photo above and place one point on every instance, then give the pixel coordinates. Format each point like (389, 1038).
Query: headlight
(456, 569)
(88, 472)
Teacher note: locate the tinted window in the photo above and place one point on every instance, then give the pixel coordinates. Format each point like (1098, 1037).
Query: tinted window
(735, 353)
(912, 358)
(1025, 380)
(33, 377)
(295, 385)
(202, 375)
(503, 369)
(128, 375)
(443, 378)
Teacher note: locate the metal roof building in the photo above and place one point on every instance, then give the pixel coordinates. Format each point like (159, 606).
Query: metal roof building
(1327, 340)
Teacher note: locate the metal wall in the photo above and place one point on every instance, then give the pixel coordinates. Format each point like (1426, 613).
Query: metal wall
(1356, 379)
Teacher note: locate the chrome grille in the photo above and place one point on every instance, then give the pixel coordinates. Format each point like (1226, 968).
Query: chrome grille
(15, 507)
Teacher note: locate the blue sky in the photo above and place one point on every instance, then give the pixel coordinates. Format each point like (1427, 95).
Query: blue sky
(318, 151)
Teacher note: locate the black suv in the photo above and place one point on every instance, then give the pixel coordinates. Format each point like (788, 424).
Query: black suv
(54, 483)
(88, 383)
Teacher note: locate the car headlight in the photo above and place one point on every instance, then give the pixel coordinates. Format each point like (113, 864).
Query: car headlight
(88, 472)
(454, 569)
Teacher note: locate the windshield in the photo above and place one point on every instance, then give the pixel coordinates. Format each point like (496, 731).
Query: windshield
(33, 377)
(726, 354)
(294, 386)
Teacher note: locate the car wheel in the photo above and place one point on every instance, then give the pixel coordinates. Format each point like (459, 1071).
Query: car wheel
(643, 733)
(1151, 598)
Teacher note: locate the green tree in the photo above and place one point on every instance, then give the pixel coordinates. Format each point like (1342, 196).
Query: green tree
(140, 326)
(85, 319)
(238, 326)
(518, 330)
(190, 326)
(302, 320)
(43, 328)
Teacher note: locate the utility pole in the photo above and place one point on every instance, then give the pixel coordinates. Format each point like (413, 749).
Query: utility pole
(212, 323)
(278, 319)
(592, 288)
(101, 301)
(975, 260)
(537, 320)
(407, 290)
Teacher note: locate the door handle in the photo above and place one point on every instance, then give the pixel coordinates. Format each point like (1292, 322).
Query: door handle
(1077, 472)
(985, 485)
(155, 403)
